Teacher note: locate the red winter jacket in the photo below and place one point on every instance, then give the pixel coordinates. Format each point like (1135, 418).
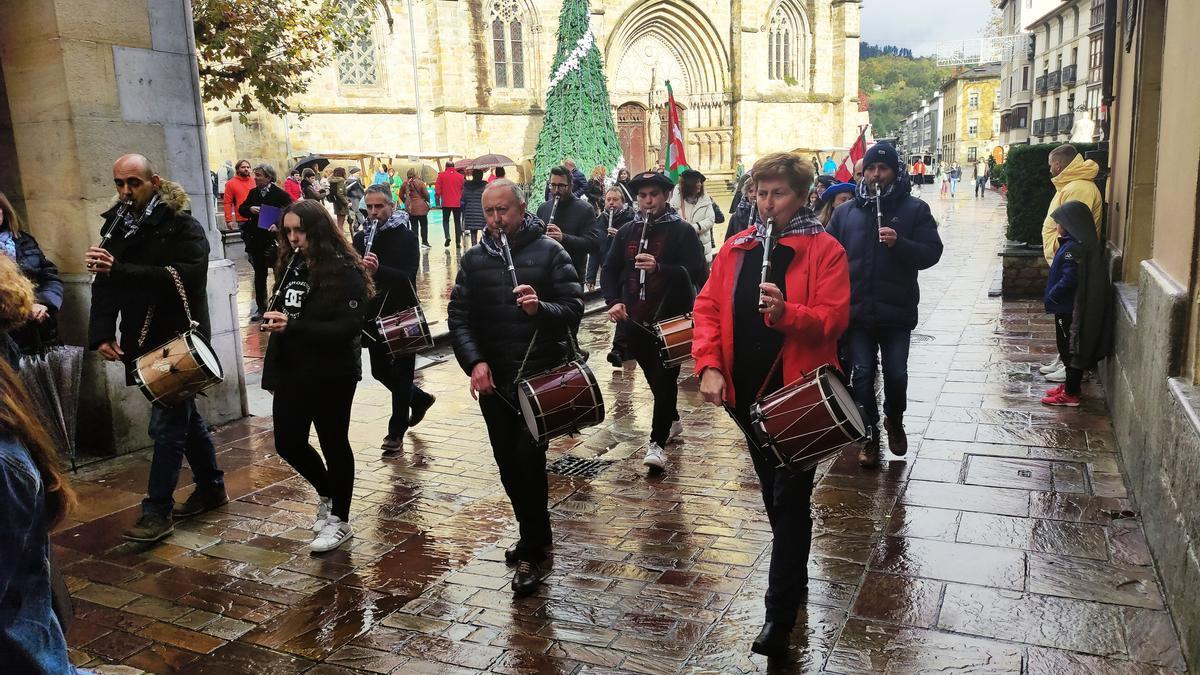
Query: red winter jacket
(815, 315)
(449, 188)
(236, 189)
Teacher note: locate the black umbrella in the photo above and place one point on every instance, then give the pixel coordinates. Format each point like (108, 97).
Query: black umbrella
(52, 378)
(315, 162)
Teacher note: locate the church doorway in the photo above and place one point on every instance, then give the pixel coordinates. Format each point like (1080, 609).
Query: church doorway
(631, 134)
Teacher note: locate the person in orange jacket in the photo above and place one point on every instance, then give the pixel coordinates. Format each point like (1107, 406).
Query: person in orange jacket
(236, 189)
(741, 349)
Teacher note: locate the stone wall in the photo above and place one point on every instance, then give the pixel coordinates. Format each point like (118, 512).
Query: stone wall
(1156, 419)
(1025, 272)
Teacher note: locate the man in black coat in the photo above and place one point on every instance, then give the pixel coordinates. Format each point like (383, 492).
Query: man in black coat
(675, 266)
(574, 221)
(889, 236)
(393, 261)
(155, 232)
(259, 237)
(617, 214)
(502, 334)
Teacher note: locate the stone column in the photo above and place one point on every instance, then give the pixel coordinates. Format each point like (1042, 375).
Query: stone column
(86, 81)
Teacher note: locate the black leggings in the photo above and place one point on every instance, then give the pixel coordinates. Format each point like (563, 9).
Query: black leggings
(420, 227)
(456, 213)
(325, 405)
(1062, 336)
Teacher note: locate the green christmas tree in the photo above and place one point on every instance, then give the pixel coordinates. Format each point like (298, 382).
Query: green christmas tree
(578, 121)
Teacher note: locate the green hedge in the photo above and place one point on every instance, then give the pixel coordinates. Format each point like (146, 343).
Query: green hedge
(1027, 175)
(998, 176)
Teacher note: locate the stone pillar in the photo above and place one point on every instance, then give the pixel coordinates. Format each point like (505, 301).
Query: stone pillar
(86, 81)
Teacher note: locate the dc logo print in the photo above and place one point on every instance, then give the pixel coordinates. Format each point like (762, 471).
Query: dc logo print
(293, 296)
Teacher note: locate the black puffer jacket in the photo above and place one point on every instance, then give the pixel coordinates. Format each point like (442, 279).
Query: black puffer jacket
(322, 341)
(883, 281)
(399, 256)
(577, 220)
(472, 205)
(48, 289)
(139, 278)
(487, 325)
(257, 240)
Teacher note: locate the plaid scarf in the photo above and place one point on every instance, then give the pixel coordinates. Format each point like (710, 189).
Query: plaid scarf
(804, 222)
(133, 219)
(668, 216)
(866, 197)
(491, 245)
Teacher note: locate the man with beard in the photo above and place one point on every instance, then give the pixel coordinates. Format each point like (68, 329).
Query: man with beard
(889, 236)
(392, 263)
(236, 189)
(501, 333)
(569, 220)
(654, 267)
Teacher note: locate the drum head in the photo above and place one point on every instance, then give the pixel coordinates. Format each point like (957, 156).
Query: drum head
(527, 411)
(205, 355)
(844, 401)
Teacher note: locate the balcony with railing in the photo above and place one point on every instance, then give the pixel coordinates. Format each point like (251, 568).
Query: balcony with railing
(1054, 81)
(1069, 75)
(1039, 85)
(1065, 122)
(1051, 126)
(1038, 127)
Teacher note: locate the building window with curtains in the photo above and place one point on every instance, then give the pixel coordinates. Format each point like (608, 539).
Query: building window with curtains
(508, 44)
(357, 65)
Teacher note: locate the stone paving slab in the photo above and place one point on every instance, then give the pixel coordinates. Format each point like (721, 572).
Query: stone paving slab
(1006, 541)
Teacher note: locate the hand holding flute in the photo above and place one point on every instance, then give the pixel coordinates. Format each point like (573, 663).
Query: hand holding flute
(640, 262)
(97, 258)
(887, 235)
(526, 296)
(275, 321)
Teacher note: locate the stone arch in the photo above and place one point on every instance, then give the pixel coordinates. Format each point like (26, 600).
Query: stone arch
(686, 31)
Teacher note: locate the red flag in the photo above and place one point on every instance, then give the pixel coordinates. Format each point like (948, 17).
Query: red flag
(845, 172)
(676, 162)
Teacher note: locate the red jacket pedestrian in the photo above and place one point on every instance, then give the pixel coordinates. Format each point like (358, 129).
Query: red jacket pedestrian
(236, 189)
(449, 187)
(292, 186)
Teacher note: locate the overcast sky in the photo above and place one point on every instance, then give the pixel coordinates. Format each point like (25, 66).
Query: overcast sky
(921, 24)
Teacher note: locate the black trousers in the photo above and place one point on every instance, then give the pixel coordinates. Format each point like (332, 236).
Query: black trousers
(1062, 336)
(663, 381)
(620, 343)
(522, 464)
(420, 227)
(787, 497)
(301, 405)
(456, 212)
(397, 375)
(259, 262)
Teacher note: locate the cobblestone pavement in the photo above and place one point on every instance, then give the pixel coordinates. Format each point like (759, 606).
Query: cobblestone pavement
(1006, 541)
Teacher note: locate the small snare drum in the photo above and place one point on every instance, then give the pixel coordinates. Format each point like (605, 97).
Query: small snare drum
(560, 401)
(808, 420)
(177, 370)
(675, 339)
(405, 332)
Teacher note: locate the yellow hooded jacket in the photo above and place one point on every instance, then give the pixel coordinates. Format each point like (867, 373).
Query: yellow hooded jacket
(1075, 183)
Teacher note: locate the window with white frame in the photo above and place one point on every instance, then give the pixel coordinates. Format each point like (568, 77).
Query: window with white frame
(972, 127)
(973, 100)
(508, 44)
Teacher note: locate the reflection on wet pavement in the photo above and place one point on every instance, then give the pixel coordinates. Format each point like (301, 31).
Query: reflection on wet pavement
(1005, 541)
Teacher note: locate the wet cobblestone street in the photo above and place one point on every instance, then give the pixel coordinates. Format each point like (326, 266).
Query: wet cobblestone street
(1005, 541)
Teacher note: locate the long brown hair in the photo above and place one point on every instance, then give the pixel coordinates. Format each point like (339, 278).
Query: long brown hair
(327, 248)
(11, 220)
(17, 416)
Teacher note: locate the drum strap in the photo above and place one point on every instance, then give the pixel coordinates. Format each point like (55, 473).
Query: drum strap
(150, 312)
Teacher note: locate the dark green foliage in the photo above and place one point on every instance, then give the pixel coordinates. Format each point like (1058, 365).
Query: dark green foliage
(1027, 174)
(866, 50)
(998, 173)
(896, 86)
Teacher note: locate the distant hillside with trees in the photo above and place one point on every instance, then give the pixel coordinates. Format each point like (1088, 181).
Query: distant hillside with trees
(896, 82)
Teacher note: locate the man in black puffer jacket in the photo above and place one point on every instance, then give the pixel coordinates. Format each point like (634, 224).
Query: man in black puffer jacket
(492, 337)
(574, 221)
(884, 294)
(153, 235)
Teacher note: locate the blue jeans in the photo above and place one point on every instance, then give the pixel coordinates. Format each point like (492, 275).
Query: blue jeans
(862, 347)
(179, 432)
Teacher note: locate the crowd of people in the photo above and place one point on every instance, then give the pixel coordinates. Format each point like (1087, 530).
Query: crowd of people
(811, 274)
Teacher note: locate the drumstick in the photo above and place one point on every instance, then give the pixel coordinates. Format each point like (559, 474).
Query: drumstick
(275, 296)
(768, 245)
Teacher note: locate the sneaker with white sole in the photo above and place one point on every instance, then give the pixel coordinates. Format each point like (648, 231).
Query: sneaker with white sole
(324, 504)
(676, 430)
(1052, 366)
(656, 459)
(1059, 375)
(334, 534)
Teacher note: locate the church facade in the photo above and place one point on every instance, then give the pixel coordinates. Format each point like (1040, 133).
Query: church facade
(751, 77)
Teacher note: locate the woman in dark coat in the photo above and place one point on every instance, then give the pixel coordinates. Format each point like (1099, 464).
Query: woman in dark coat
(472, 205)
(23, 249)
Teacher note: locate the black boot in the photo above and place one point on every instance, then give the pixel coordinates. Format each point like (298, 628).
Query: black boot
(419, 408)
(772, 640)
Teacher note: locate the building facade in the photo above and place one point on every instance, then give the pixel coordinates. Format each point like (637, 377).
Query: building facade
(970, 114)
(1065, 45)
(1017, 72)
(921, 132)
(751, 77)
(1153, 231)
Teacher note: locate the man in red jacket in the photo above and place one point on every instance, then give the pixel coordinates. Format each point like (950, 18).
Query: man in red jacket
(449, 188)
(236, 189)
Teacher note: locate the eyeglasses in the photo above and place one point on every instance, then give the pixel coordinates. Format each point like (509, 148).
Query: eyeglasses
(559, 186)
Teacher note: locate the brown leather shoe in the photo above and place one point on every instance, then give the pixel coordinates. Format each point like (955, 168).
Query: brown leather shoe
(897, 440)
(868, 455)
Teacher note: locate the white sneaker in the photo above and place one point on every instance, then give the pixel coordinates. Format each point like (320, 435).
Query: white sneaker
(655, 457)
(1059, 375)
(676, 429)
(1052, 366)
(324, 504)
(333, 535)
